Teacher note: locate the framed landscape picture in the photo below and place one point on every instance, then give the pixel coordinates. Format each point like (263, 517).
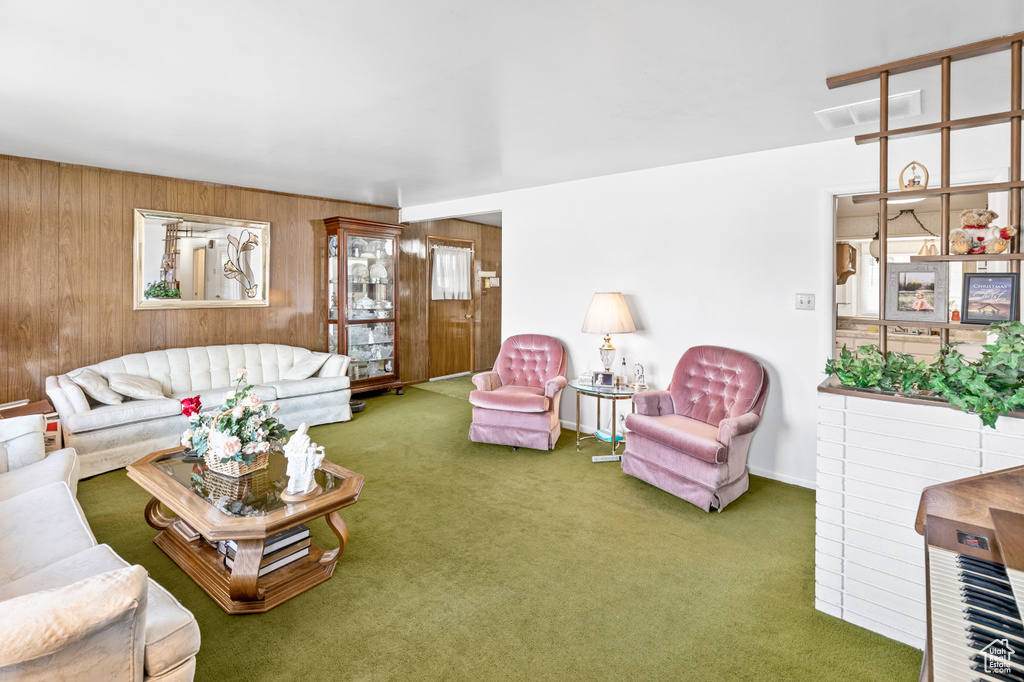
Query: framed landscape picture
(990, 298)
(916, 292)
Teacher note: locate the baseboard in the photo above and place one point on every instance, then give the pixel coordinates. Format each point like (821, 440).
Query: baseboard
(785, 478)
(571, 426)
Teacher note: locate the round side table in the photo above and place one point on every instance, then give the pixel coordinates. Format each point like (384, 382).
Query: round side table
(612, 393)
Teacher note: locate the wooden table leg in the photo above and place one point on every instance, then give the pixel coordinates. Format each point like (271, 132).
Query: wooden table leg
(246, 570)
(340, 529)
(156, 517)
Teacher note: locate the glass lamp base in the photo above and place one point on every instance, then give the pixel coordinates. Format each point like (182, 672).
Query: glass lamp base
(607, 358)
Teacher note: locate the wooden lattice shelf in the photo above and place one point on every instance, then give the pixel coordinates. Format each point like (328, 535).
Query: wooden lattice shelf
(943, 127)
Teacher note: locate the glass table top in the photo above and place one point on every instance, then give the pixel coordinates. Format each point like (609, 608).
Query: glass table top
(255, 494)
(586, 387)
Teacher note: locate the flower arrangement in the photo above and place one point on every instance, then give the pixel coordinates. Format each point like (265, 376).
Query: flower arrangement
(240, 432)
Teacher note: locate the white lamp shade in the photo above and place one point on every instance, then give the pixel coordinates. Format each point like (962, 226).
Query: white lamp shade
(608, 314)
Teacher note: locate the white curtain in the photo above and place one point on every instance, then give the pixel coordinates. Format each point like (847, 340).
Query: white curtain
(452, 270)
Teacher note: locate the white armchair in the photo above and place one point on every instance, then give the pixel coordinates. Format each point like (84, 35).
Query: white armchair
(24, 465)
(93, 629)
(71, 608)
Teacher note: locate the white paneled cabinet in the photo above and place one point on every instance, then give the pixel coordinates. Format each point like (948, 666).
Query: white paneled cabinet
(874, 458)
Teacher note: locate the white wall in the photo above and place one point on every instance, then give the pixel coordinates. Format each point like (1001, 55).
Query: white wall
(711, 252)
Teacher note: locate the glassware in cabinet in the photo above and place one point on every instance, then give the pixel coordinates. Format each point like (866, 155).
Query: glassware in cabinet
(371, 350)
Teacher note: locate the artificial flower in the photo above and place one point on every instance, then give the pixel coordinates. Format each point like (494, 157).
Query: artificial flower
(232, 445)
(191, 406)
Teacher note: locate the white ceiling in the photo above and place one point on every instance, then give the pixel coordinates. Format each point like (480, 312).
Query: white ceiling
(404, 102)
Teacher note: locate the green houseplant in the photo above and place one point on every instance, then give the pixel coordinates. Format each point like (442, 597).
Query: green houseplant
(991, 386)
(865, 367)
(161, 290)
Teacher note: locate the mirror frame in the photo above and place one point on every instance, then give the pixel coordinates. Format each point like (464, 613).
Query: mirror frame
(142, 303)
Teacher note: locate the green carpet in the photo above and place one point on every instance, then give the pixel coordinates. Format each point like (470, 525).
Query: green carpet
(474, 562)
(459, 387)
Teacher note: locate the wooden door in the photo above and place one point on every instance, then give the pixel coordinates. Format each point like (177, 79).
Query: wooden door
(449, 323)
(199, 274)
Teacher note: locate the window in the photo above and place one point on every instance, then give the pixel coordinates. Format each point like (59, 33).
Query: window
(451, 273)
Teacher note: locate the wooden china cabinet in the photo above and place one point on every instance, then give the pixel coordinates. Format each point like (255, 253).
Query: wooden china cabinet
(362, 300)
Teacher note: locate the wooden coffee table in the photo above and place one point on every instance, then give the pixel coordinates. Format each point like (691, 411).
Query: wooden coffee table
(210, 507)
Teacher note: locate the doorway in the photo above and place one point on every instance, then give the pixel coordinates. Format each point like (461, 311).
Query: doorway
(450, 306)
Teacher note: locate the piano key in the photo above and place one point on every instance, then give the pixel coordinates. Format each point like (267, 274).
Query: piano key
(958, 637)
(968, 559)
(996, 604)
(967, 589)
(979, 666)
(979, 634)
(989, 612)
(983, 642)
(973, 577)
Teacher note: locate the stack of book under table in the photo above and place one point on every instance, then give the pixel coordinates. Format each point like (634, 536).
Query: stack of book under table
(278, 551)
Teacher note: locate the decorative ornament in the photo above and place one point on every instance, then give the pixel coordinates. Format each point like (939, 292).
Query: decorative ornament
(303, 459)
(977, 235)
(914, 182)
(639, 381)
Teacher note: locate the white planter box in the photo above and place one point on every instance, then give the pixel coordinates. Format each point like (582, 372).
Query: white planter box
(874, 458)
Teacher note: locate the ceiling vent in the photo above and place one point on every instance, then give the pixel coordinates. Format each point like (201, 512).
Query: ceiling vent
(900, 106)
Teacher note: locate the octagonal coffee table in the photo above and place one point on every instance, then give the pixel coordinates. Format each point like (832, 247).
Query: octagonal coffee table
(210, 508)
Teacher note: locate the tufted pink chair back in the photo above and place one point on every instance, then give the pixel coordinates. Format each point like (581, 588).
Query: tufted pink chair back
(712, 383)
(530, 360)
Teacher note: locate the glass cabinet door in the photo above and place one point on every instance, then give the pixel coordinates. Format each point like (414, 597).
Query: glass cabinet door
(370, 308)
(333, 288)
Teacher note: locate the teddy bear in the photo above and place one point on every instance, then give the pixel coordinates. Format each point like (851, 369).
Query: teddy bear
(976, 234)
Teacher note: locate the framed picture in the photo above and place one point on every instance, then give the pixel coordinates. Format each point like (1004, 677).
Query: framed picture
(916, 292)
(990, 298)
(604, 379)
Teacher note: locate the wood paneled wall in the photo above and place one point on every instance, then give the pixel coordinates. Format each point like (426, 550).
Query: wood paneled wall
(66, 268)
(414, 290)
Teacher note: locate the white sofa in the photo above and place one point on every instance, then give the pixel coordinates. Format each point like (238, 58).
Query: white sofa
(71, 609)
(109, 437)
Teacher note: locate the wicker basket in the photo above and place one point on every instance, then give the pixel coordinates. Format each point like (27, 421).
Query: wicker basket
(237, 488)
(233, 468)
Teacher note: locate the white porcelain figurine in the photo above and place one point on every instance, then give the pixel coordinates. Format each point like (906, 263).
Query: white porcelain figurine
(304, 457)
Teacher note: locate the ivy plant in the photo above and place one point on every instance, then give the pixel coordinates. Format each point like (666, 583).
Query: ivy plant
(991, 386)
(866, 367)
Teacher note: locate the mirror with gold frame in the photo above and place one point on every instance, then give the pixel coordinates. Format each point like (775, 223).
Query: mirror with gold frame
(184, 260)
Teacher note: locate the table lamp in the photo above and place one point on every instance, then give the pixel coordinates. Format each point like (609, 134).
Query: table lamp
(608, 314)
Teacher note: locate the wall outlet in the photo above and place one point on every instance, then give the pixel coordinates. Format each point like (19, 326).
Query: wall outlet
(805, 301)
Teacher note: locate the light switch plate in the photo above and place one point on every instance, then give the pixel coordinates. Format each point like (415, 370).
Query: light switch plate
(805, 301)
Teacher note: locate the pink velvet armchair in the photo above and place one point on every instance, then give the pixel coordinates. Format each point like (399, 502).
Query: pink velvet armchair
(692, 439)
(516, 403)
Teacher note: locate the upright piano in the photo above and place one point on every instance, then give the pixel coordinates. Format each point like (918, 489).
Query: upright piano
(974, 567)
